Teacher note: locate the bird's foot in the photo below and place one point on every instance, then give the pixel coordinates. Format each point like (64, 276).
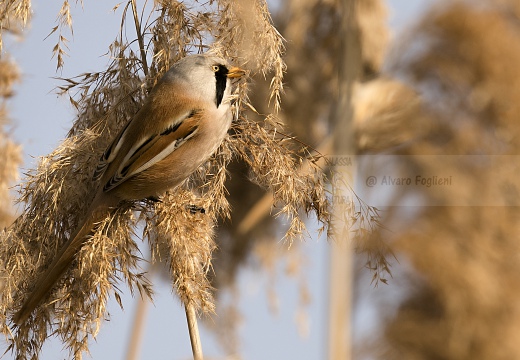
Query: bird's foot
(154, 199)
(195, 209)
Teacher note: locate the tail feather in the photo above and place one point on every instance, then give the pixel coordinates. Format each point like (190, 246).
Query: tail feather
(61, 262)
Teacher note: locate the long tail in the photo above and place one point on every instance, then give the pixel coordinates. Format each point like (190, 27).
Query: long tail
(98, 211)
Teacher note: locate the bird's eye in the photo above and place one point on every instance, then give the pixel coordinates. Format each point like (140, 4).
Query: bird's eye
(215, 68)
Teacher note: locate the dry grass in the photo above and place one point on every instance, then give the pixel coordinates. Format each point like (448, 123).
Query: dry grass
(463, 302)
(54, 193)
(10, 153)
(14, 14)
(308, 107)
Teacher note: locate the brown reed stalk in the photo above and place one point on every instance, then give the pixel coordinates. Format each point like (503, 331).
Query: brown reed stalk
(193, 328)
(138, 326)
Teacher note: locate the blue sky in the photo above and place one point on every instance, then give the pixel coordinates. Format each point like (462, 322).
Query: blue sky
(41, 119)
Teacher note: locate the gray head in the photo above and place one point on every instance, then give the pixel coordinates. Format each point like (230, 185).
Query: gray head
(207, 75)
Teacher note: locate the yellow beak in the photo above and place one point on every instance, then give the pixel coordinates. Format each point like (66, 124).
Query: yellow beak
(235, 72)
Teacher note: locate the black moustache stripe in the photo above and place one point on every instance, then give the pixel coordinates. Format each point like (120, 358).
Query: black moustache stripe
(221, 77)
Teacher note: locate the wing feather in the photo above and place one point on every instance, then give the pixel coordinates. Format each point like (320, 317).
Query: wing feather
(154, 149)
(110, 153)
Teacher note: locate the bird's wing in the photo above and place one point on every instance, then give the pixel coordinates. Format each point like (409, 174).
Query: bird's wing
(155, 148)
(110, 153)
(118, 143)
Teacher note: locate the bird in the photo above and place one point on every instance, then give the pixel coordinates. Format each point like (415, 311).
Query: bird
(182, 122)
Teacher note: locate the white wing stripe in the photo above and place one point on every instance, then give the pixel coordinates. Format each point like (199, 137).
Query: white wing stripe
(160, 156)
(136, 146)
(114, 151)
